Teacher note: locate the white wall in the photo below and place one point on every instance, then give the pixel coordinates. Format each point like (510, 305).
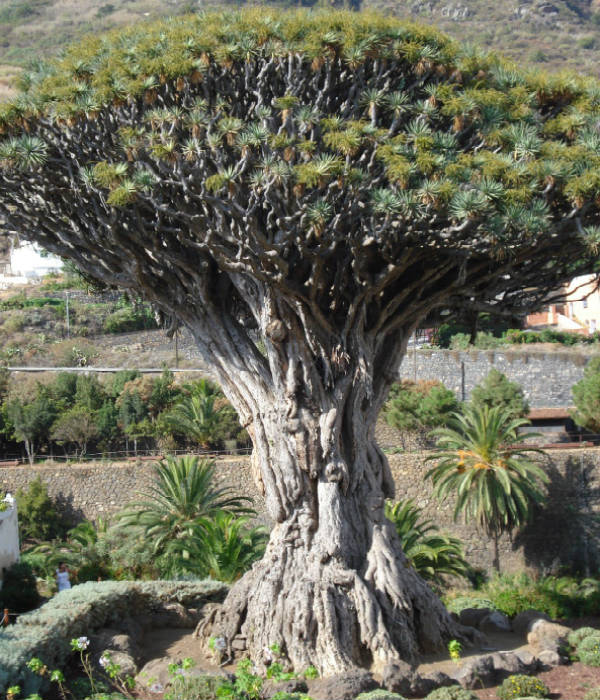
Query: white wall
(9, 538)
(27, 261)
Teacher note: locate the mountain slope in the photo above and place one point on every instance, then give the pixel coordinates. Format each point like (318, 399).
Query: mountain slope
(550, 34)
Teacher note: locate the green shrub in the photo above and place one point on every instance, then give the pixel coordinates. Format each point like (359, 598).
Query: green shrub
(459, 603)
(588, 650)
(13, 323)
(129, 319)
(589, 642)
(460, 341)
(577, 636)
(519, 337)
(586, 395)
(38, 517)
(521, 686)
(193, 686)
(587, 42)
(451, 692)
(497, 390)
(46, 632)
(592, 694)
(379, 694)
(19, 592)
(432, 553)
(419, 406)
(558, 597)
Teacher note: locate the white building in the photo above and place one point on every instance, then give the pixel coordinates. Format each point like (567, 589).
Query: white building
(9, 535)
(30, 261)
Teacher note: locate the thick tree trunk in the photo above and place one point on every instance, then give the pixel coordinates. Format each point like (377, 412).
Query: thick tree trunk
(334, 589)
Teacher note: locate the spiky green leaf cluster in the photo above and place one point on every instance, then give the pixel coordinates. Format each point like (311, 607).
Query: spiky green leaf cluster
(484, 464)
(466, 135)
(432, 553)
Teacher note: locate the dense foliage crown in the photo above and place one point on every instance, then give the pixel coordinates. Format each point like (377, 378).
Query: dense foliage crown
(262, 138)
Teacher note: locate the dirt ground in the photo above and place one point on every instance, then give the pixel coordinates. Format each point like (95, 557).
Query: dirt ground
(570, 682)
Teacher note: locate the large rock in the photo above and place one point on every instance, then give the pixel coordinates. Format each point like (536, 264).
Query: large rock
(126, 662)
(506, 663)
(523, 622)
(114, 640)
(175, 615)
(295, 685)
(549, 658)
(397, 677)
(401, 678)
(476, 672)
(495, 622)
(345, 687)
(423, 685)
(155, 671)
(471, 617)
(529, 661)
(548, 636)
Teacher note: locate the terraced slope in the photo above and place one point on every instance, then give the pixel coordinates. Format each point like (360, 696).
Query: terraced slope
(552, 34)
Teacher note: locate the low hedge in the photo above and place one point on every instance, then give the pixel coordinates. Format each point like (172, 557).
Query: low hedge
(46, 632)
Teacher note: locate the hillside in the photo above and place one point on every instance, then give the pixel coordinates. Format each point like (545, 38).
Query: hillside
(551, 34)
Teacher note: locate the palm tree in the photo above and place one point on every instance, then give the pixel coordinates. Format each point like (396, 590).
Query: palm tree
(197, 416)
(483, 461)
(86, 550)
(174, 510)
(431, 553)
(226, 547)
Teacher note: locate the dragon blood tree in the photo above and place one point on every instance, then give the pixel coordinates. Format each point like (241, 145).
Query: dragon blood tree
(301, 191)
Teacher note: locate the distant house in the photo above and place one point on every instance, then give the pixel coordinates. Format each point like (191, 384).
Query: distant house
(30, 261)
(579, 313)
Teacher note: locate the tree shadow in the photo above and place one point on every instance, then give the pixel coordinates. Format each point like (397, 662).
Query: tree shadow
(70, 514)
(564, 534)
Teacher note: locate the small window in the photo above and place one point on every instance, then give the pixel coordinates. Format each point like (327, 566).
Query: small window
(585, 303)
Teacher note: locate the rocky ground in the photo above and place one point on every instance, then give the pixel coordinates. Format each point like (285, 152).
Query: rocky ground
(530, 644)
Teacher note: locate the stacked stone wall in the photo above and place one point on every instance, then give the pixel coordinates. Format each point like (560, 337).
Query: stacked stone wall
(563, 534)
(546, 377)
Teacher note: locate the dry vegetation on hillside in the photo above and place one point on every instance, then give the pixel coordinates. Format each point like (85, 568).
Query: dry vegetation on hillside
(551, 34)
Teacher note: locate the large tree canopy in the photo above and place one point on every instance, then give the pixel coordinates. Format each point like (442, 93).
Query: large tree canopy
(302, 190)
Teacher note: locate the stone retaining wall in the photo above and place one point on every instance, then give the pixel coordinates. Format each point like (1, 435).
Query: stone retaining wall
(564, 533)
(546, 377)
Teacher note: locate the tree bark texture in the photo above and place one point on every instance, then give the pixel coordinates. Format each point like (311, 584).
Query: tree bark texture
(334, 589)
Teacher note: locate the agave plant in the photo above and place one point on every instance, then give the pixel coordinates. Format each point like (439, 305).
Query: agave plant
(432, 553)
(483, 461)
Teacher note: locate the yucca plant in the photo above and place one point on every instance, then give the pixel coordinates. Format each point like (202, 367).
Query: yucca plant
(483, 462)
(432, 553)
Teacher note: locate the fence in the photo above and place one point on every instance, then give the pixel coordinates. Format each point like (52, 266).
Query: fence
(125, 455)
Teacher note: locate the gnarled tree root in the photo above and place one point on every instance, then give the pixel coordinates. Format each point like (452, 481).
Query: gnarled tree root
(322, 613)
